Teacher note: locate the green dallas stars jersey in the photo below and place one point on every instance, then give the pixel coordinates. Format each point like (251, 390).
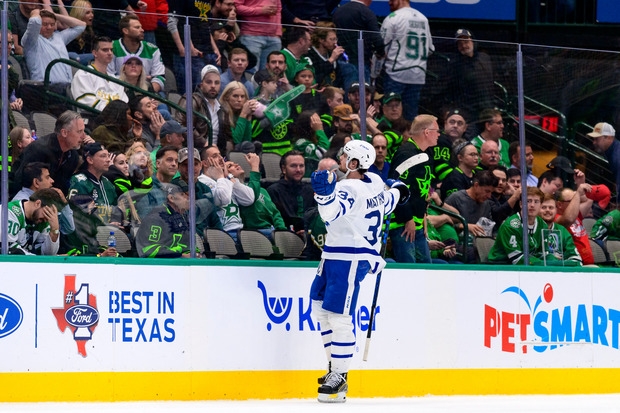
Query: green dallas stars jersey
(559, 245)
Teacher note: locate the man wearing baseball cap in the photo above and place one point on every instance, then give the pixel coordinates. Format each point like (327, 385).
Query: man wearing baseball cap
(206, 211)
(204, 101)
(91, 181)
(470, 75)
(604, 140)
(343, 119)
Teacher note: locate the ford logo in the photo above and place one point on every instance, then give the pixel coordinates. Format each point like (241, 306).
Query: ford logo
(11, 315)
(81, 315)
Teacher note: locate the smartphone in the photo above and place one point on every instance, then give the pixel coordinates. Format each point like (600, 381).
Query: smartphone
(449, 242)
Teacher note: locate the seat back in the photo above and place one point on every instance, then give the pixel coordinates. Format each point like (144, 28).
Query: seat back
(600, 257)
(122, 241)
(613, 249)
(220, 243)
(290, 244)
(588, 223)
(483, 245)
(200, 245)
(174, 97)
(21, 120)
(257, 244)
(171, 81)
(271, 162)
(44, 123)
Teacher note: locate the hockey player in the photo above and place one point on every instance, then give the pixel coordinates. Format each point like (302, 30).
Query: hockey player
(353, 211)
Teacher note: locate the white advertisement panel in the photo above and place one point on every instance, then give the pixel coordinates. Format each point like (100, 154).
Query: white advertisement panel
(69, 317)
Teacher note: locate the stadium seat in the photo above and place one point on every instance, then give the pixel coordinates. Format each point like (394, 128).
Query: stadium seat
(483, 246)
(122, 241)
(600, 257)
(258, 245)
(44, 123)
(271, 162)
(222, 244)
(588, 223)
(21, 120)
(290, 244)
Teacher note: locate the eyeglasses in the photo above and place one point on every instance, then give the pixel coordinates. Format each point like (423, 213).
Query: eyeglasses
(433, 129)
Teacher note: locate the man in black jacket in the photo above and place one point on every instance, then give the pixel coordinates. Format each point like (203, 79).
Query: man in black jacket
(58, 150)
(291, 196)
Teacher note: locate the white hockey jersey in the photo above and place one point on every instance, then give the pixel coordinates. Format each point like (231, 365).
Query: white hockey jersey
(94, 91)
(408, 44)
(354, 220)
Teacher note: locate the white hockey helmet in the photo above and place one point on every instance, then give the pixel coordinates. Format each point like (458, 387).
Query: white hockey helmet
(363, 151)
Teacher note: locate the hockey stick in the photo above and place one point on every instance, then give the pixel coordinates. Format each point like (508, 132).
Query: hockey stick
(376, 294)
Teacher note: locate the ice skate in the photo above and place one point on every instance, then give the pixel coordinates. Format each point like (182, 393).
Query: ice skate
(334, 388)
(321, 379)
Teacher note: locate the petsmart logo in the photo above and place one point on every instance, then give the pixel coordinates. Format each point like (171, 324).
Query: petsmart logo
(553, 327)
(279, 311)
(79, 313)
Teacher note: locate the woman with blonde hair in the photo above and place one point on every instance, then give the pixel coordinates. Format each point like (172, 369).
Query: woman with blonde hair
(132, 72)
(140, 166)
(235, 116)
(81, 48)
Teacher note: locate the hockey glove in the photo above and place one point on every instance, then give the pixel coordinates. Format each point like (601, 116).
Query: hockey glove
(324, 184)
(402, 188)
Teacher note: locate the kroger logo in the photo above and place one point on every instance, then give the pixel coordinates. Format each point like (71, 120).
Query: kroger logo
(81, 315)
(11, 315)
(283, 311)
(548, 327)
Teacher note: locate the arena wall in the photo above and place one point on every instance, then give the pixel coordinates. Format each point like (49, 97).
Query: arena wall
(84, 329)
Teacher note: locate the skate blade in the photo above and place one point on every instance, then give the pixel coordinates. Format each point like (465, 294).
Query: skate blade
(339, 397)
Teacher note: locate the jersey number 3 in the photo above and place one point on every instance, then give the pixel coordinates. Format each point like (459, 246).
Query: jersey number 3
(374, 225)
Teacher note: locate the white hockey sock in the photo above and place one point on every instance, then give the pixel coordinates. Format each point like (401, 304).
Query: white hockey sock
(326, 330)
(343, 342)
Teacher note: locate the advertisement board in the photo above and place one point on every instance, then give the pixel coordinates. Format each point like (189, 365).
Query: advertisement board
(135, 329)
(607, 11)
(504, 10)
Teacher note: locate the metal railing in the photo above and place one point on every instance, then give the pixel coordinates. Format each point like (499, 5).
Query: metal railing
(49, 93)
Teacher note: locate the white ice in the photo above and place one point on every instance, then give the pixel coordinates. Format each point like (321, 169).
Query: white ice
(606, 403)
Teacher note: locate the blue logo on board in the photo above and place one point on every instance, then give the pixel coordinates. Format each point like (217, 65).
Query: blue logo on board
(11, 315)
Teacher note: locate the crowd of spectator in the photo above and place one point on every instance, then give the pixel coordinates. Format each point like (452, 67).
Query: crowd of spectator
(121, 158)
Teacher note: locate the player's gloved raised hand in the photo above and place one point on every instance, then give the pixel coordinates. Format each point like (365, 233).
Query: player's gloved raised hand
(323, 182)
(402, 188)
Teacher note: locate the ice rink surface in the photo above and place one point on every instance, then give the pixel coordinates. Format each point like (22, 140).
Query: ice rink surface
(429, 404)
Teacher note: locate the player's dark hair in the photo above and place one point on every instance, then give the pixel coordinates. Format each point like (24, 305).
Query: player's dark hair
(485, 178)
(100, 39)
(487, 115)
(161, 151)
(512, 172)
(31, 171)
(548, 176)
(124, 22)
(48, 197)
(293, 34)
(284, 158)
(514, 148)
